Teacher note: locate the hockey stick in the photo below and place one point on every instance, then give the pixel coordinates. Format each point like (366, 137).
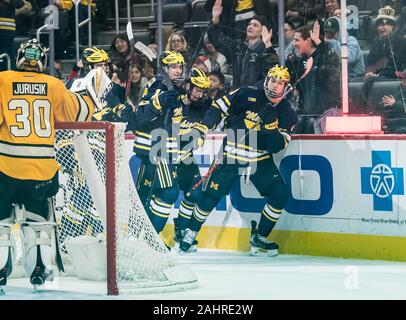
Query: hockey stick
(143, 49)
(193, 57)
(132, 52)
(288, 90)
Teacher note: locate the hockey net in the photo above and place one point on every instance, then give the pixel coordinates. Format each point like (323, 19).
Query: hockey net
(99, 213)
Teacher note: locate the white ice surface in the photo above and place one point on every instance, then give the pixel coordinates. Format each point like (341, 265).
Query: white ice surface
(233, 275)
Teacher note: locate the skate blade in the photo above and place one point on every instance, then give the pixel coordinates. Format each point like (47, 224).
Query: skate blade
(259, 252)
(192, 249)
(36, 282)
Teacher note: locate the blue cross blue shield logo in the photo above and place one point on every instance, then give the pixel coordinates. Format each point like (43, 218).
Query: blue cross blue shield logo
(382, 181)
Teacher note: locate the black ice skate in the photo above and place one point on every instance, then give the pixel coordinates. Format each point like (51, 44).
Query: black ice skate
(3, 279)
(178, 235)
(40, 273)
(5, 272)
(188, 243)
(260, 245)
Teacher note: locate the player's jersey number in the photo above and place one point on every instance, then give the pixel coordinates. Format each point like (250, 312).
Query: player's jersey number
(41, 118)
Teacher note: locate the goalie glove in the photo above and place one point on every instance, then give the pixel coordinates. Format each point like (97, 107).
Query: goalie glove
(96, 84)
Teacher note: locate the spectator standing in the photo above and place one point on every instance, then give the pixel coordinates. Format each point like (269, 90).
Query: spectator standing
(319, 91)
(237, 14)
(251, 59)
(332, 35)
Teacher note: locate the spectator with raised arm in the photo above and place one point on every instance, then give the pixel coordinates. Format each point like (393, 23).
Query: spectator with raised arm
(236, 14)
(250, 59)
(318, 92)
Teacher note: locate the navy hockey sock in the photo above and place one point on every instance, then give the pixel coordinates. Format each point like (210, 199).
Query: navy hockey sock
(185, 214)
(269, 217)
(159, 213)
(198, 218)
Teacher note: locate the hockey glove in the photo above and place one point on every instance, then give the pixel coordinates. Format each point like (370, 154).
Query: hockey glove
(169, 99)
(269, 117)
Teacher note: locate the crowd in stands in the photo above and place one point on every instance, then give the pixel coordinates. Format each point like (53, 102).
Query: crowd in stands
(241, 44)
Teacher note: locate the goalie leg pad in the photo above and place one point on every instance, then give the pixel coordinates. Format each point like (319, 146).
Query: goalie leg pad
(40, 248)
(7, 250)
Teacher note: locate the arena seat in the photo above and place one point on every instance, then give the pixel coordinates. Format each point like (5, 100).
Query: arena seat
(175, 12)
(360, 98)
(199, 13)
(106, 37)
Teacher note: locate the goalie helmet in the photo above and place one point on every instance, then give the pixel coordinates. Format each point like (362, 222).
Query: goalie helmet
(279, 73)
(32, 54)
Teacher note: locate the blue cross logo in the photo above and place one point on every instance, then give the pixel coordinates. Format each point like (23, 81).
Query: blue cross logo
(382, 181)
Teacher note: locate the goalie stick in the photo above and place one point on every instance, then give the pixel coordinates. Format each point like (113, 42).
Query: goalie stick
(216, 163)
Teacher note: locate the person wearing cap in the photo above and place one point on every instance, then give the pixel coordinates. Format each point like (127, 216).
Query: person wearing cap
(393, 108)
(332, 35)
(380, 53)
(250, 59)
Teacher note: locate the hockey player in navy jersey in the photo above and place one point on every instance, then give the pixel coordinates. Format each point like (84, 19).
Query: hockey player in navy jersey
(268, 120)
(194, 105)
(115, 107)
(159, 111)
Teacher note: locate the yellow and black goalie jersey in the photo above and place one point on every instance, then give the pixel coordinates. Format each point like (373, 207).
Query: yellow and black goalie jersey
(30, 104)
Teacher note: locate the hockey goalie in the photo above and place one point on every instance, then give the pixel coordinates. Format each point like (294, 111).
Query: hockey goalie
(30, 104)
